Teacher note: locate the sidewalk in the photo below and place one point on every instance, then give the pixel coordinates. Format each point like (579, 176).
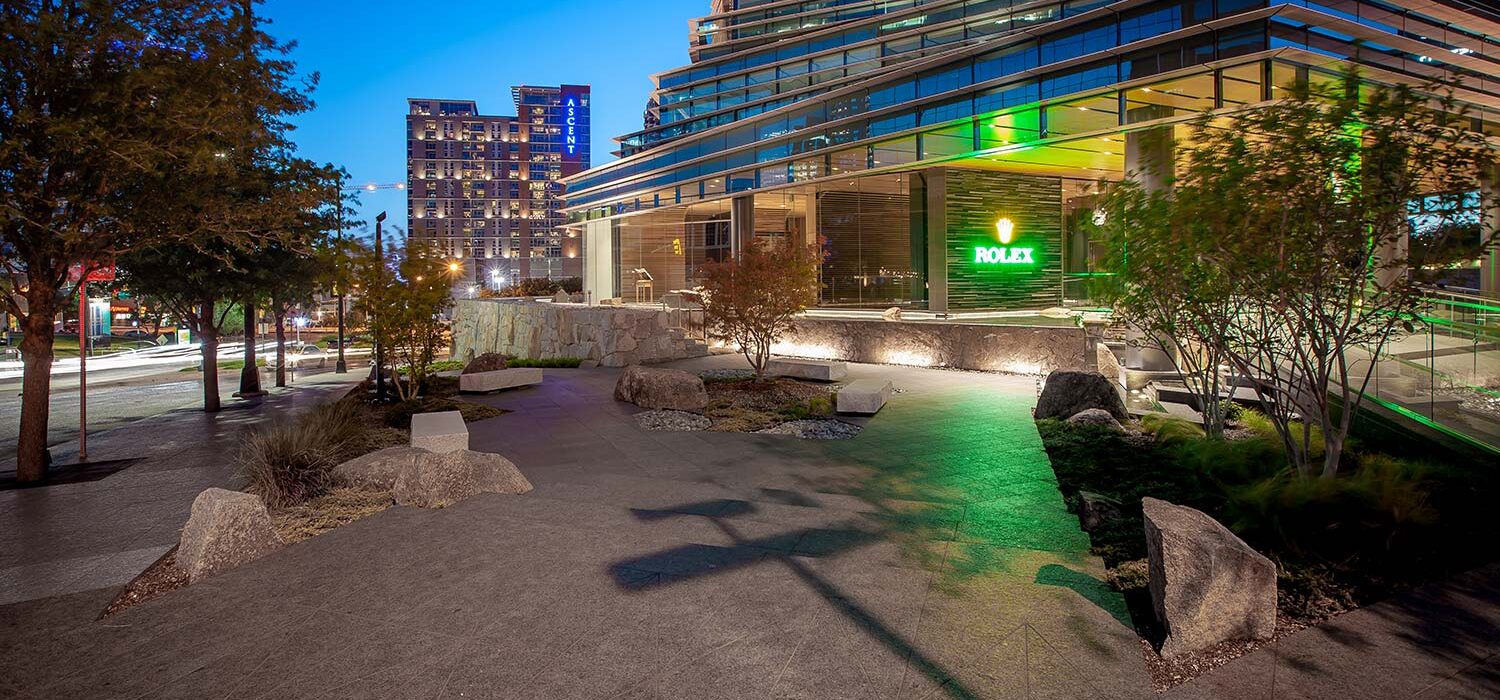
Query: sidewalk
(62, 539)
(1440, 641)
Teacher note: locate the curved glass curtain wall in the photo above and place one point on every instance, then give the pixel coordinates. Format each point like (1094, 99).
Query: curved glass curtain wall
(988, 72)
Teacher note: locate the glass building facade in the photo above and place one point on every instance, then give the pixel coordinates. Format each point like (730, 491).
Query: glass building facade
(945, 153)
(486, 191)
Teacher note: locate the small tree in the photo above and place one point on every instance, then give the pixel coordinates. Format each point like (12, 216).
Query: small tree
(1166, 288)
(1296, 216)
(404, 298)
(750, 300)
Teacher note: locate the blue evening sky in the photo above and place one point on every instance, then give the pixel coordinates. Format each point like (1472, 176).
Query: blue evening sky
(373, 54)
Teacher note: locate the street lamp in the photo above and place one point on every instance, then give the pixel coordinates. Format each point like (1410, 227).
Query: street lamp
(341, 367)
(379, 280)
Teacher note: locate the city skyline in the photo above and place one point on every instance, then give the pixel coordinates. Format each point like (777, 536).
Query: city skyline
(361, 89)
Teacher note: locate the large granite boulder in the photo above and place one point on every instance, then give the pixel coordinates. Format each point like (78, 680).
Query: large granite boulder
(226, 529)
(488, 362)
(1207, 585)
(1096, 416)
(668, 389)
(439, 480)
(377, 470)
(1069, 392)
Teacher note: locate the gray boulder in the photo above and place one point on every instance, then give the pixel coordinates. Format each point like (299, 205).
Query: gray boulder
(488, 362)
(439, 480)
(562, 297)
(670, 389)
(1067, 392)
(1096, 416)
(377, 470)
(1207, 585)
(891, 314)
(226, 529)
(1095, 509)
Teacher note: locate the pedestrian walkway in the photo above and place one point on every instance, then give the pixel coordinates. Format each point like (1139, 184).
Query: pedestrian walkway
(1439, 642)
(931, 556)
(66, 538)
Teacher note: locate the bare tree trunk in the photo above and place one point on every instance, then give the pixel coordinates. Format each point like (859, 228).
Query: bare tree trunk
(250, 374)
(36, 384)
(209, 349)
(280, 345)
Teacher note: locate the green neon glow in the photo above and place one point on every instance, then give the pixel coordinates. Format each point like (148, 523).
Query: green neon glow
(999, 255)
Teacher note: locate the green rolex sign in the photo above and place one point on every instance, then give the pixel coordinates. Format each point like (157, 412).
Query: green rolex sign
(1004, 254)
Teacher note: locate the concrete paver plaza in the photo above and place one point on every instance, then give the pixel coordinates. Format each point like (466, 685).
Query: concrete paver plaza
(931, 556)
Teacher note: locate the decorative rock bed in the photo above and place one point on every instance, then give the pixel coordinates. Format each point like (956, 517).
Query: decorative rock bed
(814, 430)
(672, 421)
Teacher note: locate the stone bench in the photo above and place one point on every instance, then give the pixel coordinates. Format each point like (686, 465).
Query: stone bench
(443, 431)
(816, 370)
(863, 396)
(481, 382)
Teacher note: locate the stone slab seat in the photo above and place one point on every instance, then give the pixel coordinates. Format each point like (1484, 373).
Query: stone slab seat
(440, 432)
(816, 370)
(481, 382)
(863, 396)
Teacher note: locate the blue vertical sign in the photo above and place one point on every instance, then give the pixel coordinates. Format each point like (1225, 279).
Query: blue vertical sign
(570, 125)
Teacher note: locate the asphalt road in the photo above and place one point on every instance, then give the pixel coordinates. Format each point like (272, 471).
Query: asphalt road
(117, 397)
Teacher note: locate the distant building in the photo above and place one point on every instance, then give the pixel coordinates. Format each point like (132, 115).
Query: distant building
(485, 190)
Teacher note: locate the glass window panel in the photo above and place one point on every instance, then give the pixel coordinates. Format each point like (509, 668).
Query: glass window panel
(893, 124)
(950, 78)
(1006, 129)
(1148, 23)
(947, 111)
(902, 150)
(893, 95)
(1241, 84)
(808, 169)
(1079, 116)
(1002, 63)
(1010, 96)
(1184, 96)
(1078, 42)
(772, 176)
(1078, 80)
(951, 141)
(850, 161)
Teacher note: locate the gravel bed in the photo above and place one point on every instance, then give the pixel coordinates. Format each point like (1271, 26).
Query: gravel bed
(815, 429)
(723, 374)
(671, 420)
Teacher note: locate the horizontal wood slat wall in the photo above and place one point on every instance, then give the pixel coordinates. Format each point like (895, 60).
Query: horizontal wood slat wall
(975, 201)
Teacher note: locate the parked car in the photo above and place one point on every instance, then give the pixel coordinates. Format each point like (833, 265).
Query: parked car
(304, 355)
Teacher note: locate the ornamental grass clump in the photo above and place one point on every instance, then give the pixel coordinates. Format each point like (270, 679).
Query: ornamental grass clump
(292, 461)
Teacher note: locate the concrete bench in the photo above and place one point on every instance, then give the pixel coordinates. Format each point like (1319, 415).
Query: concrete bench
(817, 370)
(439, 432)
(863, 396)
(480, 382)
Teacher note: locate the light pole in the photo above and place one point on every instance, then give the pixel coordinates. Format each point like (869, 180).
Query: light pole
(379, 277)
(341, 367)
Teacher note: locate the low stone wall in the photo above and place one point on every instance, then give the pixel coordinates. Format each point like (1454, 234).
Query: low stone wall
(1016, 349)
(602, 335)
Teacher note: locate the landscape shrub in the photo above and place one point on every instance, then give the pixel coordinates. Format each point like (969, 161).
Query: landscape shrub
(1168, 430)
(530, 287)
(1384, 524)
(545, 362)
(292, 460)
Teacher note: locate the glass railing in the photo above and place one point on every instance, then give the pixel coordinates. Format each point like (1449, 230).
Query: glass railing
(1447, 373)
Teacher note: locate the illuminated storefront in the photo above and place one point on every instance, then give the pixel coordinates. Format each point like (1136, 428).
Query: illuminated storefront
(947, 155)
